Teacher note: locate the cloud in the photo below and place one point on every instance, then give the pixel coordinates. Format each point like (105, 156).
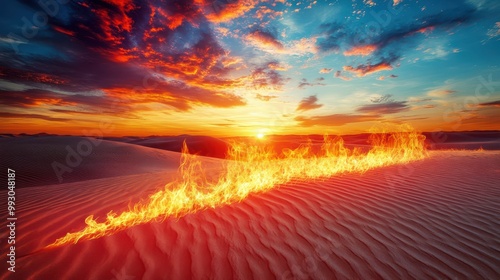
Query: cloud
(32, 116)
(367, 69)
(304, 83)
(226, 10)
(264, 12)
(384, 108)
(265, 97)
(338, 74)
(495, 31)
(122, 48)
(382, 99)
(381, 78)
(308, 103)
(418, 99)
(264, 40)
(268, 41)
(490, 104)
(275, 65)
(427, 106)
(36, 98)
(440, 92)
(332, 34)
(121, 100)
(386, 46)
(265, 77)
(334, 120)
(302, 46)
(424, 25)
(325, 70)
(362, 50)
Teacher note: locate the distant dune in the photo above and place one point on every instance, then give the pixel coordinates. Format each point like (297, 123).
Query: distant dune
(432, 219)
(488, 140)
(78, 159)
(200, 145)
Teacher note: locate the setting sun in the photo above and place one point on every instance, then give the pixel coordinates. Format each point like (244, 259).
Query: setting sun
(260, 135)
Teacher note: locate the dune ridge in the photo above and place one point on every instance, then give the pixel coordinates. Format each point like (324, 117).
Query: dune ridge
(34, 156)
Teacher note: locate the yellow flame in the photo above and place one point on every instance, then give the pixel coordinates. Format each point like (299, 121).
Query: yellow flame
(251, 169)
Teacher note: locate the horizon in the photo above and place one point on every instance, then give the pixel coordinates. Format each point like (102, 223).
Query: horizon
(248, 68)
(247, 136)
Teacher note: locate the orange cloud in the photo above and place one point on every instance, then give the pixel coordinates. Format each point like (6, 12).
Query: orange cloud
(303, 46)
(223, 30)
(426, 29)
(263, 11)
(308, 103)
(223, 11)
(274, 65)
(264, 40)
(228, 61)
(361, 50)
(363, 70)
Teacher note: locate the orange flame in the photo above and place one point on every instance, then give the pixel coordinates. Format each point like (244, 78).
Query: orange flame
(252, 169)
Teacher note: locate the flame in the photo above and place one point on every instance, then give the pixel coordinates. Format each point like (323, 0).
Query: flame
(253, 169)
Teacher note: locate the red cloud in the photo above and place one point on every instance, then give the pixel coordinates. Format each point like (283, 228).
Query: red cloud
(64, 31)
(114, 23)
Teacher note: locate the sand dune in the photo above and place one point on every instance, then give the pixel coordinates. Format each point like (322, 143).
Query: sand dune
(85, 158)
(434, 219)
(200, 145)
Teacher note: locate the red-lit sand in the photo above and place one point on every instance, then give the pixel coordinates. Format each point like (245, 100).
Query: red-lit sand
(433, 219)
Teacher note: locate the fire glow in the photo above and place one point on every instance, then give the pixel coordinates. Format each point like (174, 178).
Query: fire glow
(253, 169)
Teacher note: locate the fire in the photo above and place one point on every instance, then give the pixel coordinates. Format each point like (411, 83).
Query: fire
(253, 169)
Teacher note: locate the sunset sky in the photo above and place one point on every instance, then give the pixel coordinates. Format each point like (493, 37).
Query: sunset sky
(244, 67)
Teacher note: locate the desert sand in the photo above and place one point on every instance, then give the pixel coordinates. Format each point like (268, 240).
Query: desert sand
(431, 219)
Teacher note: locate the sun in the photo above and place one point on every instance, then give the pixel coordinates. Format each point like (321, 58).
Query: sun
(260, 135)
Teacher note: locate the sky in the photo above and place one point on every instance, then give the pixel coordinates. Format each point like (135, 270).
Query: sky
(248, 67)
